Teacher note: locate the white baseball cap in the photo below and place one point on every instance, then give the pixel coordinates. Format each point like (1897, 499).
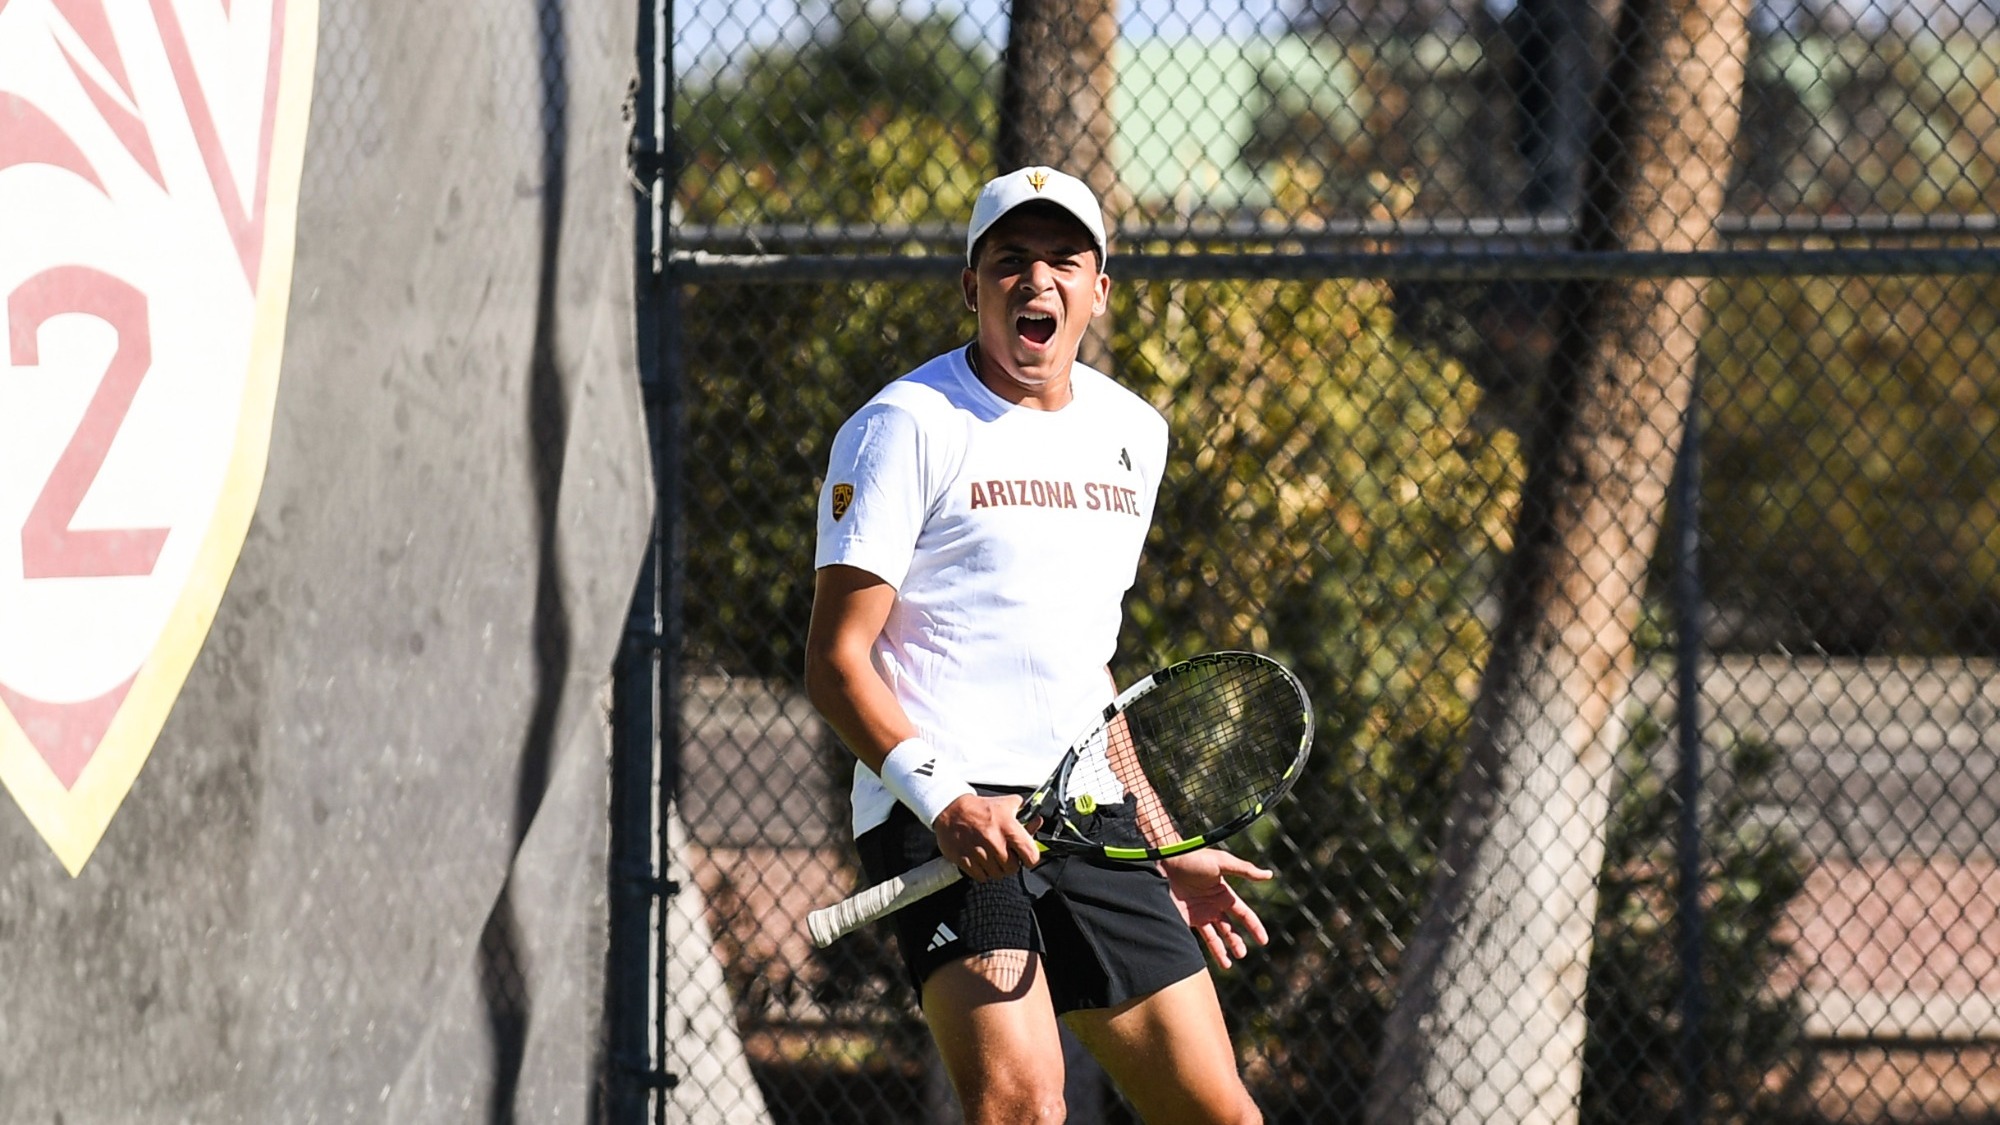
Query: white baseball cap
(1034, 184)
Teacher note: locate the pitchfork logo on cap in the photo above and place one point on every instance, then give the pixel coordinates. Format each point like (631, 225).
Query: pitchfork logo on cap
(1038, 179)
(149, 179)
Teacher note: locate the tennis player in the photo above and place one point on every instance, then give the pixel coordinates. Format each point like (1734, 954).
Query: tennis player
(981, 521)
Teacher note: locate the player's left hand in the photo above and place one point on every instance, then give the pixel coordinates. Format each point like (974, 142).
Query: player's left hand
(1212, 908)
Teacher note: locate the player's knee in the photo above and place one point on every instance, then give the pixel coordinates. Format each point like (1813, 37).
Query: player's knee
(1021, 1103)
(1042, 1113)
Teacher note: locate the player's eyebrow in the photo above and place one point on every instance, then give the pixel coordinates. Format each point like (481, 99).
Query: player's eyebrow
(1065, 250)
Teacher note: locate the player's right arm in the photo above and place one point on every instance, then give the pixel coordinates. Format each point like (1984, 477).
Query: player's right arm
(977, 834)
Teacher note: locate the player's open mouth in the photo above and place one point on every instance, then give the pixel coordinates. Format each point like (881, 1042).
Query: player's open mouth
(1036, 328)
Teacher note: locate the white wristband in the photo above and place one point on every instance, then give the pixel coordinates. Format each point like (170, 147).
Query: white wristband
(921, 778)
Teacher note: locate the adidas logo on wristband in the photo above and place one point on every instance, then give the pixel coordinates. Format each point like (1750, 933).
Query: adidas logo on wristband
(918, 776)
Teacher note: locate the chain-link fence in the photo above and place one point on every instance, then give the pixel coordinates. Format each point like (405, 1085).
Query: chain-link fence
(1598, 404)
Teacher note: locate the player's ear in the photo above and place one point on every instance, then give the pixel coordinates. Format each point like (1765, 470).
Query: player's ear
(1100, 298)
(968, 281)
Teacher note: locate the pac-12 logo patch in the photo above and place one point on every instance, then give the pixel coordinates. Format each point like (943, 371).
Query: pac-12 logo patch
(149, 178)
(843, 499)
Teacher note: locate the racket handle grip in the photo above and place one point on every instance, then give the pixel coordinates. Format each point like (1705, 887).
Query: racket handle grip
(829, 924)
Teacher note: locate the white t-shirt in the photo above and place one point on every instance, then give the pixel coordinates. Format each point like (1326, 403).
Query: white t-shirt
(1011, 536)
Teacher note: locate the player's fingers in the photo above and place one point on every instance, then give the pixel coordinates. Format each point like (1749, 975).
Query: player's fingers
(1231, 937)
(1235, 866)
(1021, 846)
(976, 861)
(1217, 948)
(1247, 920)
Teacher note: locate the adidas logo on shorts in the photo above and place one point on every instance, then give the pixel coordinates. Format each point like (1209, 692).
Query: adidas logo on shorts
(939, 938)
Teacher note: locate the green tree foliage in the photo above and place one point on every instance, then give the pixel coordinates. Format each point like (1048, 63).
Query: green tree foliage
(877, 120)
(1851, 471)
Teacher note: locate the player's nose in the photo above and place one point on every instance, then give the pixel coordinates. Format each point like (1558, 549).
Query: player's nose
(1037, 275)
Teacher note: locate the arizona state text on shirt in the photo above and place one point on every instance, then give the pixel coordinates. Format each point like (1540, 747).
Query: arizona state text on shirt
(1054, 494)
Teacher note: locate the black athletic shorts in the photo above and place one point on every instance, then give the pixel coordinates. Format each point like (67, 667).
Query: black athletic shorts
(1107, 932)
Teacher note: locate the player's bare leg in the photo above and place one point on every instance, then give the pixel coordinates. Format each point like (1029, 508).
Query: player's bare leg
(996, 1030)
(1170, 1055)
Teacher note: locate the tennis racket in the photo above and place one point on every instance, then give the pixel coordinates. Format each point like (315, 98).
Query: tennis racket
(1185, 758)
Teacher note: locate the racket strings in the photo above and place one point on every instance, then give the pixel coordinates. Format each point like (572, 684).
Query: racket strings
(1200, 752)
(1221, 742)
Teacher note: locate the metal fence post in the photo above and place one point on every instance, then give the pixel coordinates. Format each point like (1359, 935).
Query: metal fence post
(642, 744)
(1687, 679)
